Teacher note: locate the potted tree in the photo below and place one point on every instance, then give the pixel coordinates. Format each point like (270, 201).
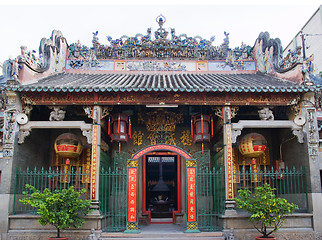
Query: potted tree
(61, 208)
(268, 212)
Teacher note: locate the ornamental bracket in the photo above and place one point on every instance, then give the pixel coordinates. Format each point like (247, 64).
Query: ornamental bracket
(25, 130)
(240, 125)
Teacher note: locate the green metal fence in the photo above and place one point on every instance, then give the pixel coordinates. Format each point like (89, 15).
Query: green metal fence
(113, 199)
(52, 178)
(290, 183)
(210, 198)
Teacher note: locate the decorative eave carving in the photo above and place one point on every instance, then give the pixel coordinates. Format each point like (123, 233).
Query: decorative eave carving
(105, 111)
(266, 114)
(58, 114)
(26, 129)
(238, 127)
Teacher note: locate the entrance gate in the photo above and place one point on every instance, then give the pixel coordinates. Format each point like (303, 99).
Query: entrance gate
(119, 198)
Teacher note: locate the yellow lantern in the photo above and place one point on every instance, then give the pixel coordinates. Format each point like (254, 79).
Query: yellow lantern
(252, 145)
(67, 145)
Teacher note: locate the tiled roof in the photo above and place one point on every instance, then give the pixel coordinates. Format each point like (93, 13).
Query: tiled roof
(162, 82)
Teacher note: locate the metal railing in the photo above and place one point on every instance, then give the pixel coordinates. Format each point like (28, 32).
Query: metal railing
(53, 178)
(289, 183)
(210, 198)
(113, 199)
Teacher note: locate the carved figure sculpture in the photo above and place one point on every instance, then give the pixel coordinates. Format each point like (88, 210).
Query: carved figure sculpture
(15, 69)
(266, 114)
(57, 114)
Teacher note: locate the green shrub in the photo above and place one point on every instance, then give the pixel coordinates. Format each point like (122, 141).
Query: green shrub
(267, 210)
(61, 208)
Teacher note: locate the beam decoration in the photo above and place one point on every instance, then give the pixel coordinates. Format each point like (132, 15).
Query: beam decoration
(130, 97)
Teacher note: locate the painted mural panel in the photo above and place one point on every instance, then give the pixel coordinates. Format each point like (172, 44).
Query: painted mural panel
(90, 64)
(160, 66)
(231, 65)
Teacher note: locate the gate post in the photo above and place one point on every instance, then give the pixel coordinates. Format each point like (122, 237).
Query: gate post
(132, 214)
(192, 223)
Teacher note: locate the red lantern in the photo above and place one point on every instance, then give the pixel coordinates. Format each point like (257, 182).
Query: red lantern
(201, 123)
(252, 145)
(67, 145)
(119, 131)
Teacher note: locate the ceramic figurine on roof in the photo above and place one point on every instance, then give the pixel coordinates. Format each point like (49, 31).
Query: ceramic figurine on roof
(268, 55)
(161, 32)
(52, 54)
(307, 69)
(161, 47)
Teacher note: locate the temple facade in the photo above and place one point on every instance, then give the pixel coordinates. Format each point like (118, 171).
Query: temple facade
(159, 128)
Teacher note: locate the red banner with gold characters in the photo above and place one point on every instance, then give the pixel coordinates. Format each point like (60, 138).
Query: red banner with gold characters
(229, 162)
(132, 187)
(94, 163)
(191, 181)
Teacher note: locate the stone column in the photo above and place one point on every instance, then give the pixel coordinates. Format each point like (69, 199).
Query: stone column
(230, 203)
(312, 137)
(7, 163)
(95, 161)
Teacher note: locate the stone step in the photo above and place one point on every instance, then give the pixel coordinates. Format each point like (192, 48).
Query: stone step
(159, 235)
(168, 238)
(161, 231)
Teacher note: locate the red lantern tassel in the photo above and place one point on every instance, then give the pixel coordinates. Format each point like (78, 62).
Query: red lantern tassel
(191, 128)
(202, 148)
(119, 124)
(109, 126)
(119, 147)
(201, 124)
(130, 128)
(212, 127)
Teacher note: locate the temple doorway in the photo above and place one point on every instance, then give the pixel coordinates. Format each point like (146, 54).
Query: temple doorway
(162, 186)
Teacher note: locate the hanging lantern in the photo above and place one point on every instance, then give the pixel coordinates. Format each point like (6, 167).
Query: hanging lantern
(119, 131)
(67, 145)
(201, 124)
(252, 145)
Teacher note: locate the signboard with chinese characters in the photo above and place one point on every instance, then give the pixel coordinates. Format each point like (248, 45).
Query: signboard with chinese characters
(191, 189)
(132, 195)
(229, 162)
(94, 163)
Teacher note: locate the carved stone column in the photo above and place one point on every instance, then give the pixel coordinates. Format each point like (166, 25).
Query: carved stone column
(312, 136)
(10, 126)
(228, 159)
(312, 140)
(95, 161)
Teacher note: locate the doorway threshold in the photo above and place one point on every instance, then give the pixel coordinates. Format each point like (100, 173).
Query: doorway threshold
(161, 220)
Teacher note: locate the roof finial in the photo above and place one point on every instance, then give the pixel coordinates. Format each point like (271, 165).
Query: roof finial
(161, 20)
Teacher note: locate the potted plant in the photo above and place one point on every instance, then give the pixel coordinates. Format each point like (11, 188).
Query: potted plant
(61, 208)
(268, 212)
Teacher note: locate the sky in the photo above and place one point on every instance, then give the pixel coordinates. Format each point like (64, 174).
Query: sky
(25, 23)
